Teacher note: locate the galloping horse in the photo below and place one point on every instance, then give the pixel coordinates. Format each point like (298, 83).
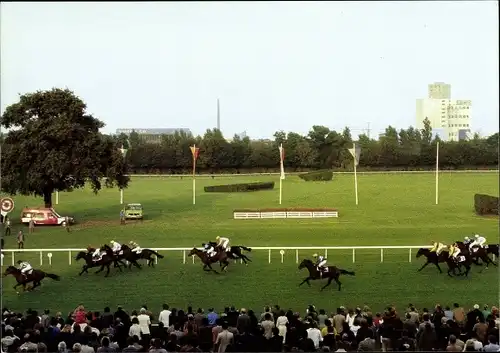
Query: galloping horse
(476, 254)
(220, 257)
(104, 261)
(36, 276)
(432, 258)
(332, 274)
(234, 253)
(128, 256)
(146, 254)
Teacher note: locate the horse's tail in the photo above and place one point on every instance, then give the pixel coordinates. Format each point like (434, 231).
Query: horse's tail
(244, 248)
(160, 256)
(345, 272)
(54, 277)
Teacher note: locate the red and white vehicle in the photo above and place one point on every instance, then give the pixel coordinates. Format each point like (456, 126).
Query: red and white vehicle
(44, 216)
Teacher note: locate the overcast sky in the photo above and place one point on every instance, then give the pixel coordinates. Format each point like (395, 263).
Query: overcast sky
(274, 66)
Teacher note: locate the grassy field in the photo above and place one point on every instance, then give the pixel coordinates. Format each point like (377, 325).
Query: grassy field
(393, 210)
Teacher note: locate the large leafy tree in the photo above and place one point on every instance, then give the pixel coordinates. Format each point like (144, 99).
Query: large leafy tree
(55, 145)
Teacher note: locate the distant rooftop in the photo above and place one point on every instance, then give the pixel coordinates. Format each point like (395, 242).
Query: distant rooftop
(155, 131)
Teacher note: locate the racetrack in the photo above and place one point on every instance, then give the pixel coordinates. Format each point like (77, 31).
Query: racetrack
(395, 209)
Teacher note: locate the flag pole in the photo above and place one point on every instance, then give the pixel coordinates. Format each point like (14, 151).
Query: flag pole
(194, 174)
(281, 189)
(355, 174)
(437, 172)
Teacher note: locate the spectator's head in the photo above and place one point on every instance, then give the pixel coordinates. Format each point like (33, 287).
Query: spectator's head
(105, 341)
(165, 306)
(225, 326)
(408, 315)
(62, 347)
(425, 317)
(492, 339)
(107, 309)
(447, 308)
(329, 329)
(267, 316)
(452, 339)
(130, 340)
(77, 347)
(135, 321)
(455, 305)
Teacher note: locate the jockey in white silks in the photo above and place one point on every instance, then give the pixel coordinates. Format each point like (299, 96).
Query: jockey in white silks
(209, 249)
(320, 263)
(95, 254)
(135, 247)
(25, 268)
(478, 241)
(116, 247)
(223, 243)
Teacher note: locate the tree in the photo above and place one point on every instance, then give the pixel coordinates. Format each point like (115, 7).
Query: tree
(55, 145)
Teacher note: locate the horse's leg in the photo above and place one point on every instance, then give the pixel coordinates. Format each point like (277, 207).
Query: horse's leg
(108, 268)
(330, 279)
(424, 266)
(439, 268)
(101, 269)
(136, 264)
(210, 267)
(338, 282)
(226, 264)
(84, 269)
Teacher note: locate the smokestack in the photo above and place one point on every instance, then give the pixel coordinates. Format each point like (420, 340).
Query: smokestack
(218, 115)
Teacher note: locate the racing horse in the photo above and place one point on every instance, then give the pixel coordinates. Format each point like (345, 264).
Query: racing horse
(220, 256)
(493, 249)
(332, 273)
(234, 253)
(476, 254)
(36, 276)
(104, 261)
(122, 255)
(146, 254)
(432, 258)
(464, 259)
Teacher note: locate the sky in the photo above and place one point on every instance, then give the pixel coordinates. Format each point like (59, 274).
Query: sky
(273, 65)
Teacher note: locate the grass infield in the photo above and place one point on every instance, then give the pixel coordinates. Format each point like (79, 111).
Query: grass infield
(397, 209)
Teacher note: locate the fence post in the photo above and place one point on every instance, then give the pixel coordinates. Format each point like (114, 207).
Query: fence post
(269, 256)
(69, 257)
(409, 256)
(41, 258)
(13, 258)
(183, 256)
(326, 253)
(353, 255)
(296, 256)
(381, 254)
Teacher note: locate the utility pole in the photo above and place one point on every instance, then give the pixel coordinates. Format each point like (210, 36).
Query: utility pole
(368, 130)
(218, 115)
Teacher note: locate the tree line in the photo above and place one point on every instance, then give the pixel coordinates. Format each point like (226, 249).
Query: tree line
(54, 144)
(321, 148)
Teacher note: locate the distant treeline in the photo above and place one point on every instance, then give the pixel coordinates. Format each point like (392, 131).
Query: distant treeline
(322, 148)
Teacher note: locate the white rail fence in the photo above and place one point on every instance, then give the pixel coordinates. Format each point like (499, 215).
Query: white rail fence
(444, 171)
(48, 253)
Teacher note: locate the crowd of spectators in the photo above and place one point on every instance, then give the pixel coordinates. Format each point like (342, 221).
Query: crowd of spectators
(274, 330)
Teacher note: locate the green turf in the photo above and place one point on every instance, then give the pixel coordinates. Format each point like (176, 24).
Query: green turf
(393, 210)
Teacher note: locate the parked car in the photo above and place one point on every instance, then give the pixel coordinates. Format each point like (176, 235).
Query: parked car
(44, 216)
(134, 211)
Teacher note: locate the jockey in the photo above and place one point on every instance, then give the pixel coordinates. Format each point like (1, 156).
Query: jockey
(467, 241)
(95, 253)
(209, 249)
(223, 243)
(116, 247)
(478, 241)
(320, 263)
(454, 251)
(437, 247)
(135, 247)
(25, 268)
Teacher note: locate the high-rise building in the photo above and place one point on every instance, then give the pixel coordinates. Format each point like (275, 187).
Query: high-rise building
(449, 118)
(439, 90)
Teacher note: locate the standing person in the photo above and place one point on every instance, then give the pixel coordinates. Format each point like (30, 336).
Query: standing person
(66, 224)
(7, 226)
(20, 239)
(224, 339)
(31, 226)
(122, 216)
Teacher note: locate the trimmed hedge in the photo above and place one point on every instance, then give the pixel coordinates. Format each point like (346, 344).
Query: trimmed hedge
(320, 175)
(240, 187)
(485, 204)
